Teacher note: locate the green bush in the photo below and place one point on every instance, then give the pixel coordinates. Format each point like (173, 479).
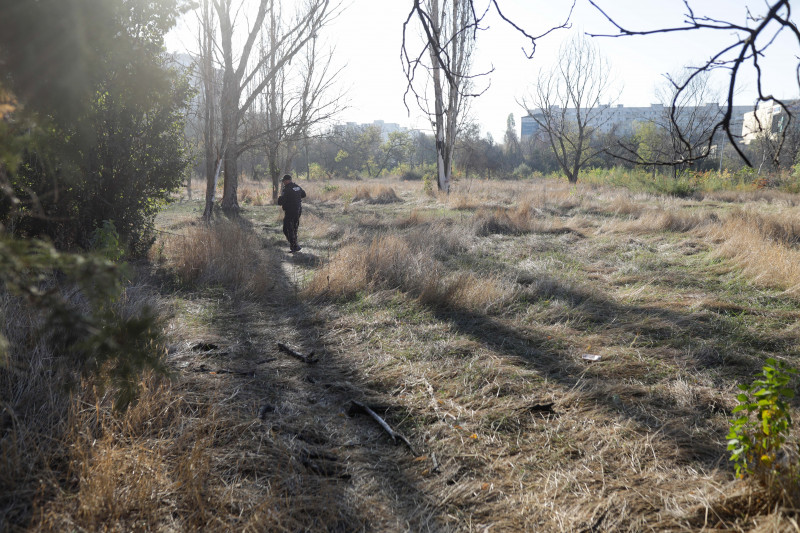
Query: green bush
(105, 241)
(523, 171)
(759, 433)
(115, 149)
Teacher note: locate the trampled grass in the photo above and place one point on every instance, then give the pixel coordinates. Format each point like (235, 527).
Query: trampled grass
(464, 322)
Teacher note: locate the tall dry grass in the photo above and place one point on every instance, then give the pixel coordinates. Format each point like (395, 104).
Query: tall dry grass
(178, 460)
(763, 246)
(781, 228)
(409, 264)
(31, 411)
(256, 193)
(765, 196)
(37, 422)
(655, 220)
(519, 220)
(376, 194)
(226, 253)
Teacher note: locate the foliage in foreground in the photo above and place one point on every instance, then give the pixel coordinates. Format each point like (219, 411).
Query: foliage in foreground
(758, 436)
(88, 333)
(95, 134)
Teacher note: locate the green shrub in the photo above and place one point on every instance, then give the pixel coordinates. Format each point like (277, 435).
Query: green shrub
(113, 150)
(106, 242)
(523, 171)
(757, 436)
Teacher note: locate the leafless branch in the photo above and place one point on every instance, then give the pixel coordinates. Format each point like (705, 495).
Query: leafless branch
(746, 48)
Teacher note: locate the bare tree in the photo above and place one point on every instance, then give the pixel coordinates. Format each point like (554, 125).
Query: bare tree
(450, 28)
(208, 75)
(246, 76)
(690, 118)
(565, 103)
(740, 44)
(295, 100)
(683, 132)
(451, 40)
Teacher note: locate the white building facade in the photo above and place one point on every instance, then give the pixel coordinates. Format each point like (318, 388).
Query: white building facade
(624, 120)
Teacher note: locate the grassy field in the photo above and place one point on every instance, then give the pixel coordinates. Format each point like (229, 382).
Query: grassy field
(463, 320)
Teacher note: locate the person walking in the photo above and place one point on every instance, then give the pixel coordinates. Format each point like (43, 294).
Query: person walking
(291, 201)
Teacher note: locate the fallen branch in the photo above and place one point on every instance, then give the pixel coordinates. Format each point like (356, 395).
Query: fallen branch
(323, 464)
(538, 408)
(244, 373)
(392, 433)
(307, 359)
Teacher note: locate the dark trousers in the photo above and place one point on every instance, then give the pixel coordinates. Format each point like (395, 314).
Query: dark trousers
(291, 221)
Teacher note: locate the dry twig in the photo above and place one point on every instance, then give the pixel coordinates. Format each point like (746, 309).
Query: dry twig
(392, 433)
(307, 359)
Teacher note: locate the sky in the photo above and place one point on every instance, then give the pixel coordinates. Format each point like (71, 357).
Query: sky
(367, 36)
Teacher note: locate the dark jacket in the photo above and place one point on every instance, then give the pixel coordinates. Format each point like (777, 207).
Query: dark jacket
(290, 198)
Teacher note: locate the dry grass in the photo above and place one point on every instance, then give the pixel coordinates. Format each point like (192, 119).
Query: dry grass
(375, 191)
(765, 196)
(318, 228)
(408, 265)
(781, 229)
(39, 433)
(179, 460)
(764, 247)
(255, 193)
(519, 220)
(469, 343)
(376, 194)
(657, 220)
(416, 217)
(225, 253)
(31, 411)
(464, 200)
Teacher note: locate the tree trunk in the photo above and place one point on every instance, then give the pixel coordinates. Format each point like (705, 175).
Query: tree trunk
(209, 112)
(230, 202)
(443, 179)
(275, 174)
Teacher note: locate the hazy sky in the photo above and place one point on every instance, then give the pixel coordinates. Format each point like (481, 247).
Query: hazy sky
(367, 37)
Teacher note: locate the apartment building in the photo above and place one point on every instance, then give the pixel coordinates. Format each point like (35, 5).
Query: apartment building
(769, 117)
(624, 120)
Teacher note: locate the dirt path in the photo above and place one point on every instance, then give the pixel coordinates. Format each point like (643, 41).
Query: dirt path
(287, 449)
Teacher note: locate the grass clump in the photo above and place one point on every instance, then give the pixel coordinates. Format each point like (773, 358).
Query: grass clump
(406, 264)
(505, 221)
(760, 247)
(255, 194)
(49, 367)
(226, 253)
(376, 194)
